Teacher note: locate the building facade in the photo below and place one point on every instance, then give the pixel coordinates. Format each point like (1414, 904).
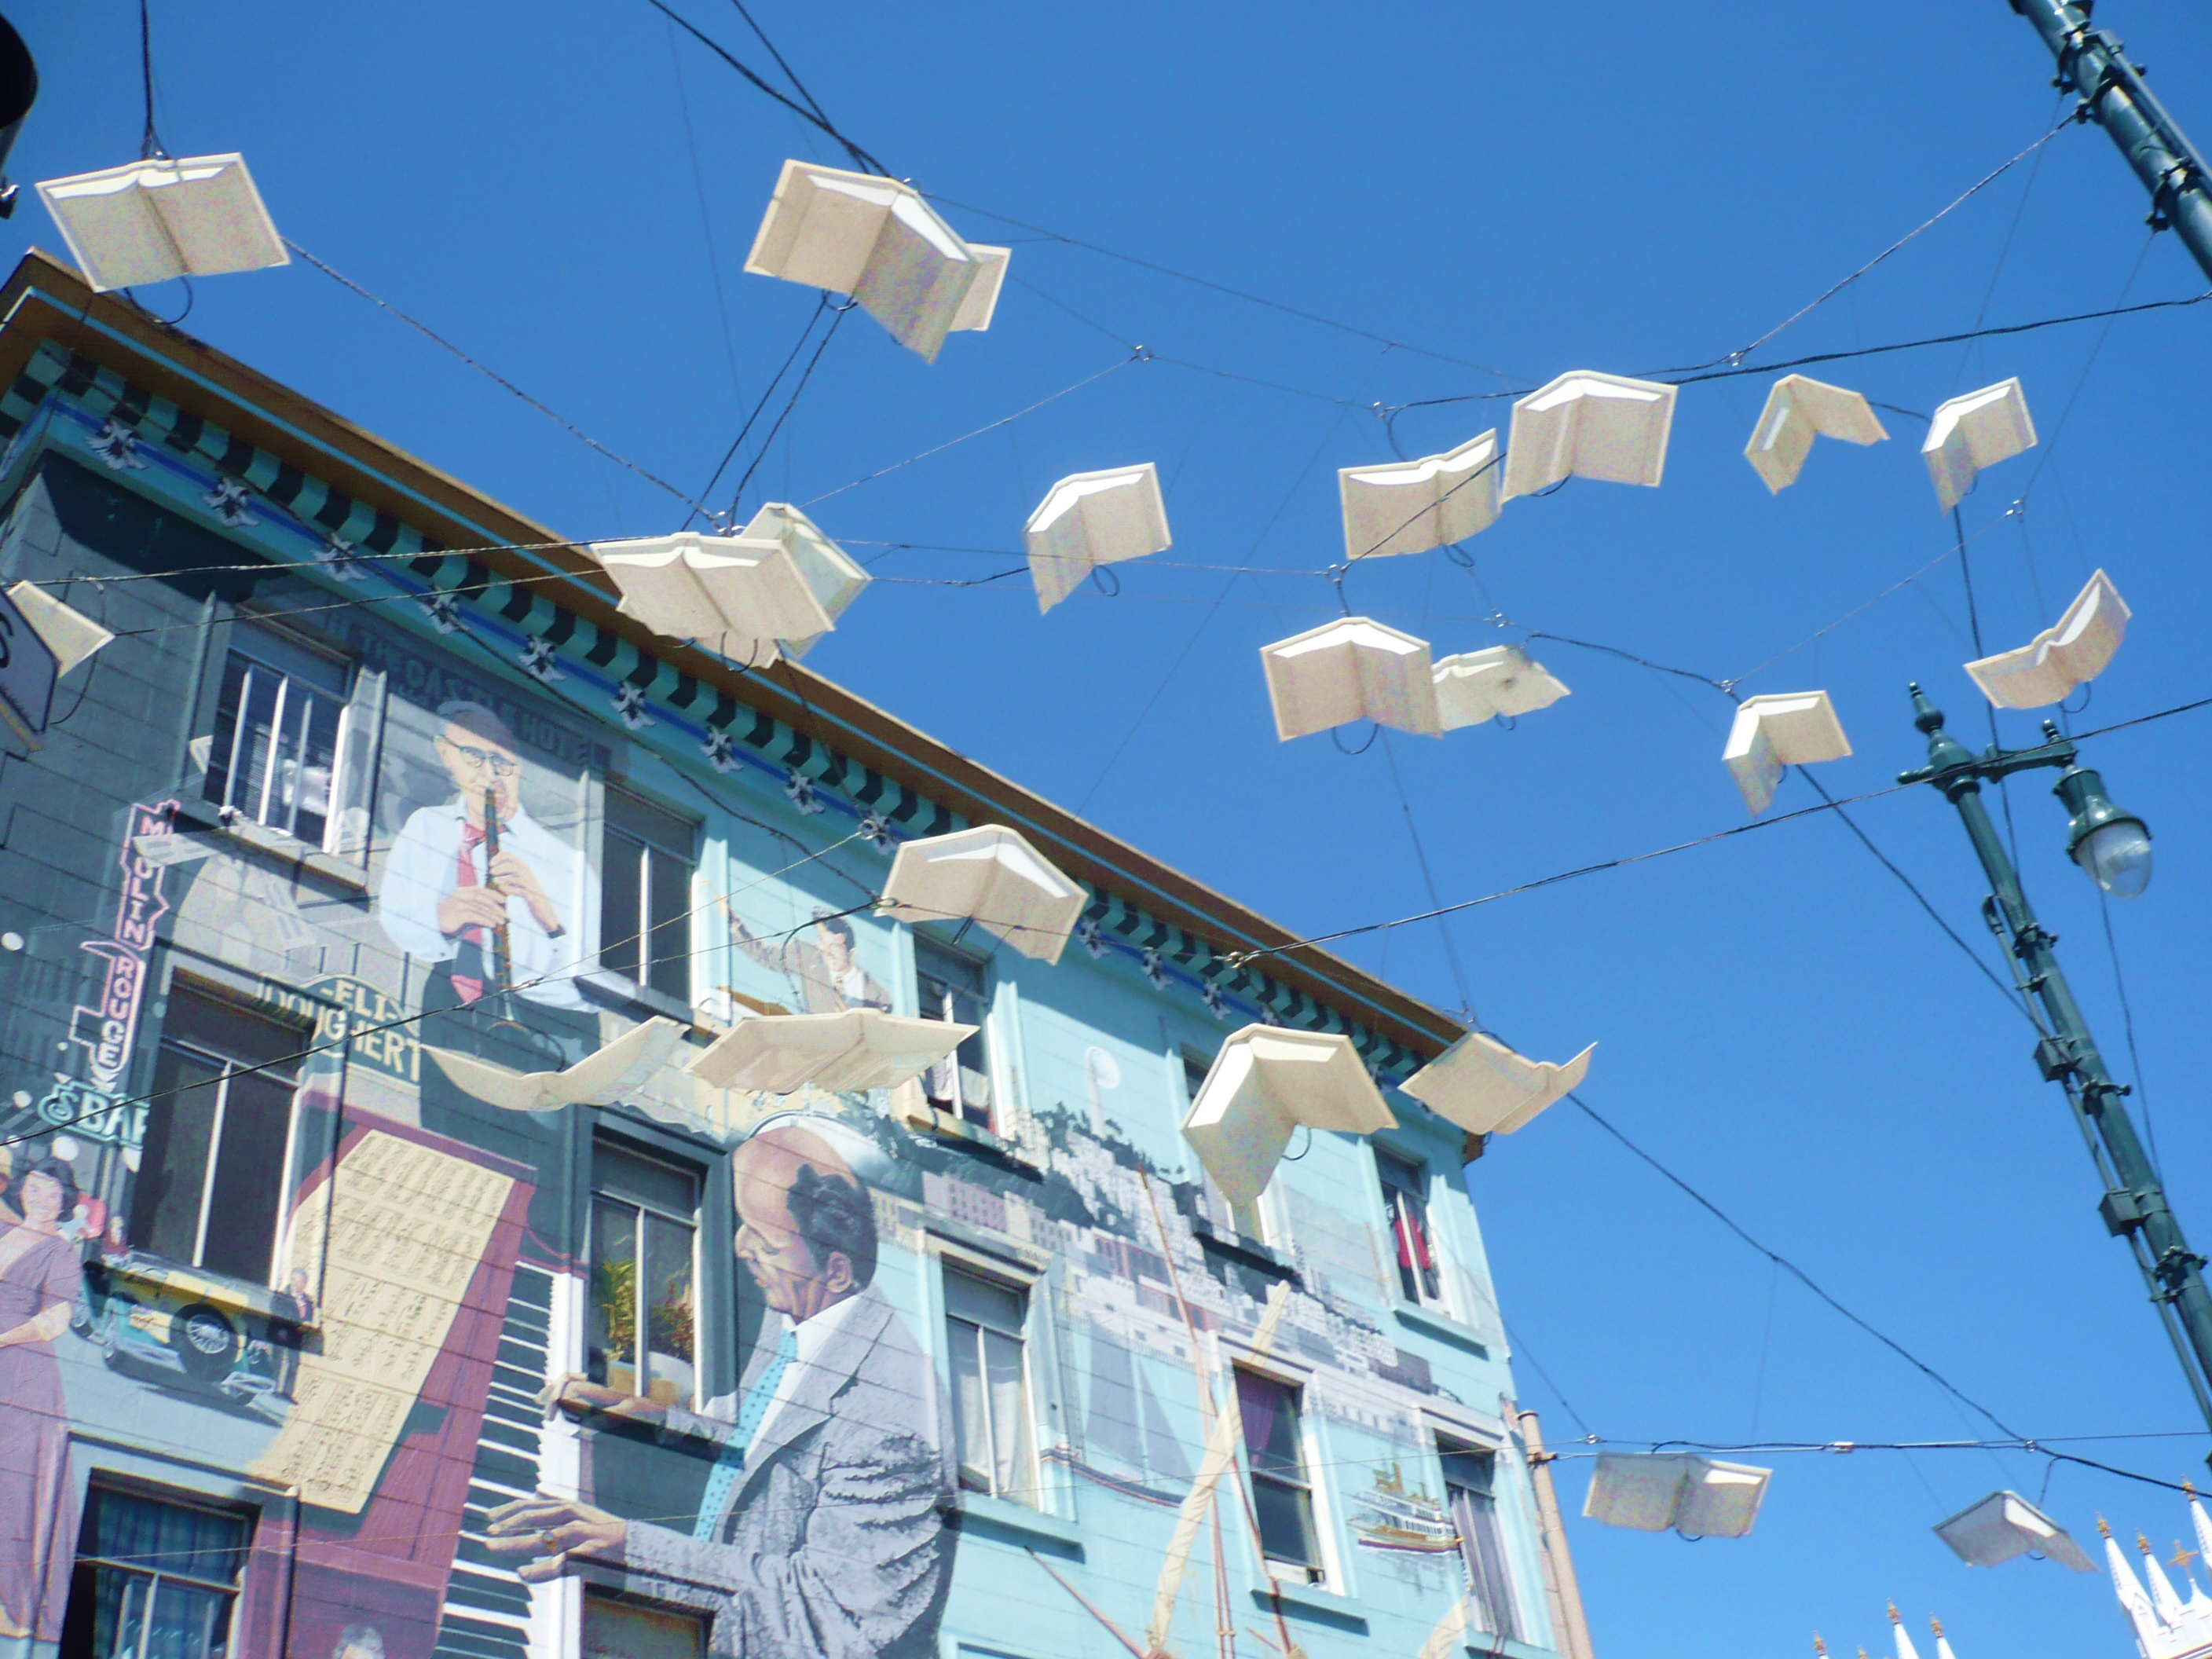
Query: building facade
(335, 1323)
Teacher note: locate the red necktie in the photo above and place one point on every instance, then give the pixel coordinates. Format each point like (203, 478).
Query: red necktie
(469, 986)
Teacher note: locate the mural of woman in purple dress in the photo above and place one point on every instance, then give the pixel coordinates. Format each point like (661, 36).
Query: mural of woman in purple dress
(40, 1278)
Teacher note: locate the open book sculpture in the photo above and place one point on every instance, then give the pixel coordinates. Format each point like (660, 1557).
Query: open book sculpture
(992, 877)
(1348, 670)
(836, 1054)
(831, 574)
(879, 241)
(1417, 505)
(1091, 519)
(1588, 425)
(1798, 409)
(1790, 728)
(596, 1078)
(146, 221)
(1697, 1496)
(1266, 1081)
(2071, 653)
(1481, 686)
(735, 594)
(1486, 1089)
(1973, 432)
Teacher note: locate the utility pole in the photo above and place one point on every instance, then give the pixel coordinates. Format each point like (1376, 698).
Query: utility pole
(2114, 848)
(2090, 62)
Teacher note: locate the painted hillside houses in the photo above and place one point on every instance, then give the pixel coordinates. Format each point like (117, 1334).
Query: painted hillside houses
(380, 1278)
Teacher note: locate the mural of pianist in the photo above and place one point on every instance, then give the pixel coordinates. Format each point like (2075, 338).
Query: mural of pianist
(820, 1535)
(445, 902)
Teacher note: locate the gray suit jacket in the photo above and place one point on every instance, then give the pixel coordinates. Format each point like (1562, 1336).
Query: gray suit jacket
(834, 1546)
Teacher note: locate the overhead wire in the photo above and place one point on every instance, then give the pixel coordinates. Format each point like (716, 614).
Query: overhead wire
(799, 387)
(494, 376)
(812, 116)
(760, 404)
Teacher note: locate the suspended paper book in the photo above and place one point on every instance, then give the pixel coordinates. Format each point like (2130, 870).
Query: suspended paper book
(1792, 728)
(2050, 666)
(991, 875)
(70, 635)
(1091, 519)
(860, 1048)
(879, 241)
(1266, 1081)
(1348, 670)
(829, 572)
(1697, 1496)
(734, 594)
(1479, 685)
(1419, 505)
(1486, 1089)
(596, 1078)
(1976, 431)
(1588, 425)
(2004, 1525)
(1798, 409)
(146, 221)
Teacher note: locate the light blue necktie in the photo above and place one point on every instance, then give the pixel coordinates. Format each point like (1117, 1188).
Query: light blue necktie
(721, 1485)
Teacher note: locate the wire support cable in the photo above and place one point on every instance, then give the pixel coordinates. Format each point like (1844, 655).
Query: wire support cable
(808, 112)
(494, 376)
(791, 404)
(1140, 354)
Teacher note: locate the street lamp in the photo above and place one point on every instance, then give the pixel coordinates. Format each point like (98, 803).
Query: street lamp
(2113, 847)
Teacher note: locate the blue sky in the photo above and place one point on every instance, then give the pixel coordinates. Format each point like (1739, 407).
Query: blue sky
(568, 190)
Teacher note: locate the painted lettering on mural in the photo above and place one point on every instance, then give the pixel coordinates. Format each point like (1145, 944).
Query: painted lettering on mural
(107, 1029)
(372, 1023)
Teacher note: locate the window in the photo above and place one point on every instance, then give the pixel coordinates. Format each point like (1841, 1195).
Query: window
(212, 1178)
(645, 896)
(1282, 1495)
(617, 1627)
(1405, 1196)
(1470, 1493)
(1248, 1221)
(950, 987)
(152, 1580)
(645, 1231)
(983, 1325)
(290, 750)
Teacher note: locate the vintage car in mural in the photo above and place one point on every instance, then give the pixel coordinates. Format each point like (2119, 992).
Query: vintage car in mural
(148, 1316)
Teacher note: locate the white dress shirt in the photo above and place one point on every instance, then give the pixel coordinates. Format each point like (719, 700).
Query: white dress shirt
(423, 869)
(812, 1333)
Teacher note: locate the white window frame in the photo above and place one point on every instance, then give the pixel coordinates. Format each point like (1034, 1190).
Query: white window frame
(995, 1115)
(1237, 1354)
(641, 935)
(697, 1224)
(1443, 1303)
(353, 751)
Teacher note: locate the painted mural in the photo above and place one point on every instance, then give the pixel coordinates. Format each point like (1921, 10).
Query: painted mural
(833, 1348)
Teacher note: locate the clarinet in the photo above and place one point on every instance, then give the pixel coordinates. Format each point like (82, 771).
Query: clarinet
(503, 946)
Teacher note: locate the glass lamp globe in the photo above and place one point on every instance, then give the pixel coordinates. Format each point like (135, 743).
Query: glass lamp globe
(2116, 856)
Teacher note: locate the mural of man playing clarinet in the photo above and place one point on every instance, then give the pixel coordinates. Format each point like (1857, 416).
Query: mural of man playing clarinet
(477, 887)
(821, 1533)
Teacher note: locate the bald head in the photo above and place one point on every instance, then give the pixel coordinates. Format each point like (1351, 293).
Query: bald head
(806, 1230)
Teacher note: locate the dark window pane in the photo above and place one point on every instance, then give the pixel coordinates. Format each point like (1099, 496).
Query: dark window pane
(642, 822)
(618, 1628)
(668, 909)
(1285, 1516)
(611, 1358)
(234, 1033)
(174, 1538)
(622, 905)
(668, 1314)
(983, 1303)
(1270, 1412)
(249, 1177)
(165, 1210)
(616, 1168)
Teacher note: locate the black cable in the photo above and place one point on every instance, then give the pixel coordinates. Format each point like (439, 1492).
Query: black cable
(1797, 1273)
(791, 75)
(1725, 687)
(868, 163)
(1429, 882)
(149, 142)
(821, 304)
(790, 404)
(1920, 898)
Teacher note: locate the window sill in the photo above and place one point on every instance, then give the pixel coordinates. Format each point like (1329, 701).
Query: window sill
(627, 996)
(1433, 1323)
(1248, 1251)
(1313, 1601)
(181, 1283)
(1504, 1647)
(957, 1132)
(274, 843)
(1001, 1515)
